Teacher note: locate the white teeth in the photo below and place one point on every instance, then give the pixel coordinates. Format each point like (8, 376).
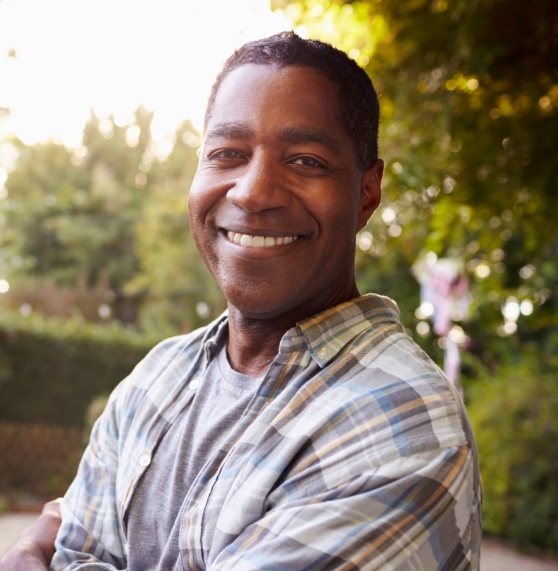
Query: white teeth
(259, 241)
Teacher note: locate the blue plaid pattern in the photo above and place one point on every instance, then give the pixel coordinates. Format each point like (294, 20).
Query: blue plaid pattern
(355, 454)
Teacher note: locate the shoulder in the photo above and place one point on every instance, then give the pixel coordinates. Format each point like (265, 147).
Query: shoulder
(165, 368)
(375, 377)
(395, 388)
(183, 348)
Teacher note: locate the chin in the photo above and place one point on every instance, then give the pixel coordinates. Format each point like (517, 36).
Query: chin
(259, 307)
(260, 303)
(256, 301)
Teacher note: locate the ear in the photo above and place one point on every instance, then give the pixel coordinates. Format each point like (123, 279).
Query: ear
(370, 193)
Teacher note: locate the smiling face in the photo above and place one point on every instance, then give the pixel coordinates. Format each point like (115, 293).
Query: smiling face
(278, 198)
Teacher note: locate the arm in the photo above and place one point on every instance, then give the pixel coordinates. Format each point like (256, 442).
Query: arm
(34, 548)
(416, 512)
(90, 531)
(92, 536)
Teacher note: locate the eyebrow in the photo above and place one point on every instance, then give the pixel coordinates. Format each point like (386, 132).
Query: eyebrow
(309, 135)
(296, 135)
(232, 130)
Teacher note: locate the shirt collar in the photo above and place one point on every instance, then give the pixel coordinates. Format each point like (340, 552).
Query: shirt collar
(216, 335)
(327, 332)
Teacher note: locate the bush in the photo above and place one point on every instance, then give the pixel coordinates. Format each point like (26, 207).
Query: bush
(515, 419)
(37, 460)
(51, 369)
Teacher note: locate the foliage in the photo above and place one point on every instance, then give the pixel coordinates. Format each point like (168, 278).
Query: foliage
(71, 216)
(54, 378)
(37, 461)
(513, 415)
(51, 369)
(469, 98)
(111, 214)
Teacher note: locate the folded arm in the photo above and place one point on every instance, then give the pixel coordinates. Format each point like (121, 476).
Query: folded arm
(90, 537)
(418, 512)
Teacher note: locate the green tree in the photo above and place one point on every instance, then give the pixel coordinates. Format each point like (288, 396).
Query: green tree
(70, 215)
(469, 97)
(112, 211)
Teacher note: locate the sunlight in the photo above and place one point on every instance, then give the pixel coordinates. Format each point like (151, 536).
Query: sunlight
(72, 56)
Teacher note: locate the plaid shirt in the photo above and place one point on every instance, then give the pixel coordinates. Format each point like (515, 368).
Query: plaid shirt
(355, 453)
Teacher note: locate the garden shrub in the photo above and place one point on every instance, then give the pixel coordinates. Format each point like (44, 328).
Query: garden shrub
(54, 378)
(38, 460)
(51, 369)
(514, 415)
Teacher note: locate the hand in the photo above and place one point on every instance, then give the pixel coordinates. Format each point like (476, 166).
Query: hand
(34, 549)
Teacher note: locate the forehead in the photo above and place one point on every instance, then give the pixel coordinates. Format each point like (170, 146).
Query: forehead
(267, 94)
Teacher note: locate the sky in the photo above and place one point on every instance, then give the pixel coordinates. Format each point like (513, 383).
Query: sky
(72, 56)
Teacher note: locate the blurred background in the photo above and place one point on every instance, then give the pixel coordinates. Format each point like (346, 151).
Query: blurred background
(101, 107)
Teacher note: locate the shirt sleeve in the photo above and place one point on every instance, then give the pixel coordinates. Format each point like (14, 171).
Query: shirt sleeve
(90, 537)
(415, 512)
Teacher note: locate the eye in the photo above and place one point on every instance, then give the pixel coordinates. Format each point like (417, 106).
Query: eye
(225, 155)
(307, 161)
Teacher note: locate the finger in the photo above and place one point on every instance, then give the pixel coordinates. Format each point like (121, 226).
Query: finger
(52, 508)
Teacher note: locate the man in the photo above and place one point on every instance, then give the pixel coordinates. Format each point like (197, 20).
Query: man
(305, 429)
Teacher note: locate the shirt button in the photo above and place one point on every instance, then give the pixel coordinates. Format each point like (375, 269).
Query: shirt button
(194, 384)
(323, 353)
(145, 460)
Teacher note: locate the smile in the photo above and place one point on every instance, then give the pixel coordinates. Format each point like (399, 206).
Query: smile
(259, 241)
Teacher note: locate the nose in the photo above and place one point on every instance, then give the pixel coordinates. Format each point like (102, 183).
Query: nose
(260, 186)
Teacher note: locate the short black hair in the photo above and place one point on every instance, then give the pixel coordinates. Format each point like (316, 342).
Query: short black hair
(359, 102)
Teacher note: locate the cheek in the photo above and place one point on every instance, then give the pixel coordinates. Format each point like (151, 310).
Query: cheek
(196, 201)
(201, 200)
(194, 217)
(198, 208)
(338, 219)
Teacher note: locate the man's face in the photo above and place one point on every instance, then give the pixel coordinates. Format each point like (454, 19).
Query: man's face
(277, 198)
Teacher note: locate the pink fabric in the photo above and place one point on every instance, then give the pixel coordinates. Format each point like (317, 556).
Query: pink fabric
(452, 364)
(446, 287)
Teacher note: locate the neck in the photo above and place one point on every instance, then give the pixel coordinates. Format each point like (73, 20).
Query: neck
(254, 342)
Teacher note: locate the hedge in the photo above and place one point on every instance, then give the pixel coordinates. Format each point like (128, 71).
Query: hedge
(514, 414)
(51, 369)
(37, 462)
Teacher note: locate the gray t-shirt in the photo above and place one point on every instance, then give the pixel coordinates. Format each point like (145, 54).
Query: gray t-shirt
(196, 439)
